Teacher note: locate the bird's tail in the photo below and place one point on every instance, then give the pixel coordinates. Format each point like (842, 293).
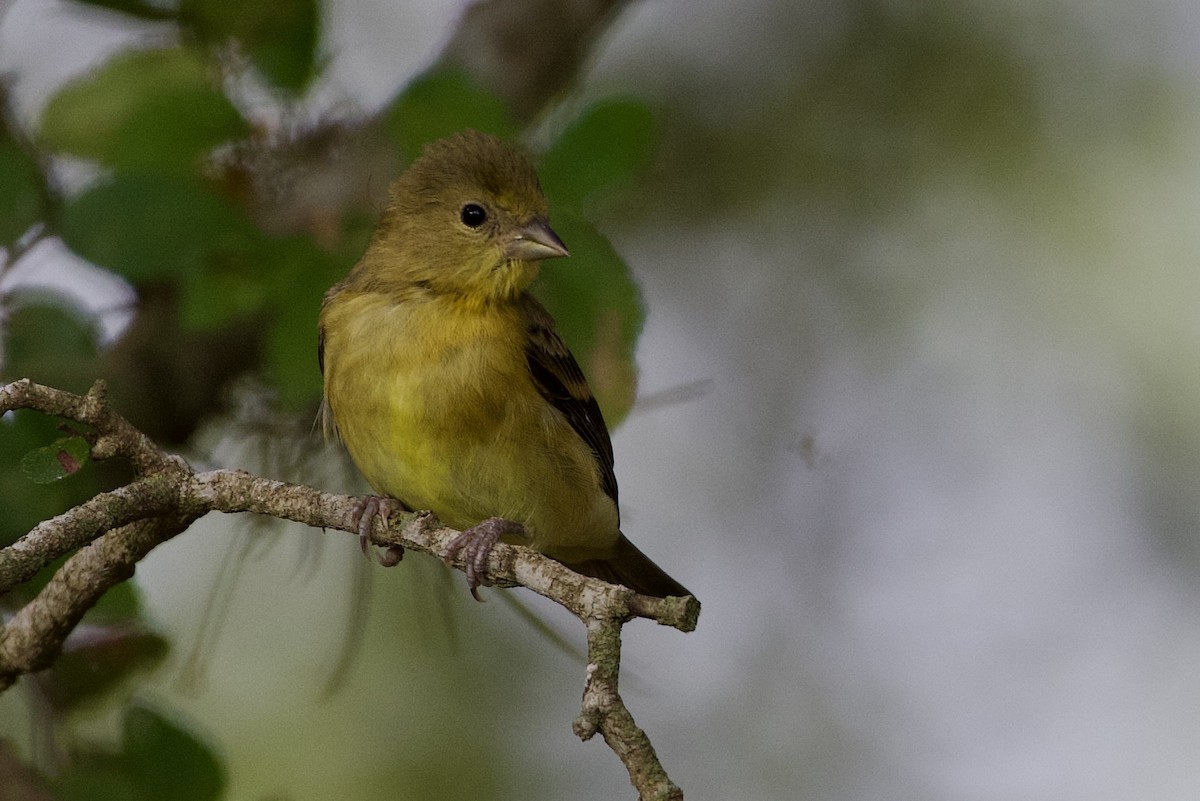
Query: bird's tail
(632, 568)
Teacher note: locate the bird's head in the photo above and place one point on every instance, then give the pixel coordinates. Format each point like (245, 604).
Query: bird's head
(468, 217)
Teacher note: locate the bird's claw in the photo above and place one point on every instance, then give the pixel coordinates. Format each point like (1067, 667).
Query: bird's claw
(476, 545)
(365, 511)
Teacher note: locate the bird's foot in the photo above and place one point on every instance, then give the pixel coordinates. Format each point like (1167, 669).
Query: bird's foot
(365, 511)
(476, 545)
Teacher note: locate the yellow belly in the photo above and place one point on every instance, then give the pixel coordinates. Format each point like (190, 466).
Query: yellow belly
(437, 408)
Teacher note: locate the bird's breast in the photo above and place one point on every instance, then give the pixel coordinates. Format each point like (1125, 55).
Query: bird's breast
(403, 378)
(437, 407)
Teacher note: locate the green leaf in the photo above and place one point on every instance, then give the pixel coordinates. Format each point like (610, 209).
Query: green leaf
(119, 605)
(230, 286)
(24, 505)
(64, 457)
(95, 778)
(96, 659)
(20, 432)
(158, 761)
(442, 102)
(285, 48)
(599, 312)
(167, 762)
(280, 36)
(152, 110)
(605, 146)
(291, 354)
(22, 182)
(50, 340)
(146, 225)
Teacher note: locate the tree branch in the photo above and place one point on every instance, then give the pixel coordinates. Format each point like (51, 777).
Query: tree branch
(605, 712)
(64, 533)
(111, 532)
(527, 51)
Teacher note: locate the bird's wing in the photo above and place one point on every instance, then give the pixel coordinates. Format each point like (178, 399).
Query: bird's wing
(557, 376)
(324, 413)
(321, 349)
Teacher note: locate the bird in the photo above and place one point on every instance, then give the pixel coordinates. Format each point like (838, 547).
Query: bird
(451, 388)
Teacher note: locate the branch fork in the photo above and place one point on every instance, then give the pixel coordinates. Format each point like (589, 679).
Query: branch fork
(110, 533)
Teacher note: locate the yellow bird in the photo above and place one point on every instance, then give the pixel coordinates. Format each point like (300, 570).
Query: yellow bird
(448, 383)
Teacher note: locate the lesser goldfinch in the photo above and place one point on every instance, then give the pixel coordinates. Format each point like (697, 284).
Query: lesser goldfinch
(448, 383)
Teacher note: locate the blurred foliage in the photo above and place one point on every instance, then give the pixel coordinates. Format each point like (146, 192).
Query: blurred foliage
(146, 226)
(49, 343)
(280, 36)
(439, 103)
(157, 761)
(97, 658)
(149, 110)
(940, 88)
(185, 205)
(902, 91)
(20, 176)
(610, 142)
(48, 339)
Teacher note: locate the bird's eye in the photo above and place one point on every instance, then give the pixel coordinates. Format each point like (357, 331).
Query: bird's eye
(473, 215)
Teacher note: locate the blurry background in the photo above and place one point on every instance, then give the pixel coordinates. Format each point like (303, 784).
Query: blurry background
(918, 416)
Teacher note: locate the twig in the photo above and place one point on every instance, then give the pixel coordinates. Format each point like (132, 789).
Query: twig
(605, 712)
(111, 532)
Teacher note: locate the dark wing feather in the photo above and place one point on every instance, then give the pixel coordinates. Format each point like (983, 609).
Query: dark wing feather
(557, 376)
(321, 349)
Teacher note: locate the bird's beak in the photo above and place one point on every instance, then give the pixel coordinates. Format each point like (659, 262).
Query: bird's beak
(535, 241)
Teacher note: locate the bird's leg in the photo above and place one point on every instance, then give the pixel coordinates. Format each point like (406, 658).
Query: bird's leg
(476, 545)
(365, 511)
